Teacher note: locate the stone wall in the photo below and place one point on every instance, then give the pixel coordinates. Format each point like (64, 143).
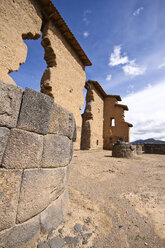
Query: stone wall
(35, 153)
(64, 78)
(92, 120)
(154, 148)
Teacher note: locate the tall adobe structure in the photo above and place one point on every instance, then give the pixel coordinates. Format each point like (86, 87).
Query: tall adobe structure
(103, 120)
(64, 77)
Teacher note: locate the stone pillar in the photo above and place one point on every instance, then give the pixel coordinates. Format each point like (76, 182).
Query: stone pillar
(35, 152)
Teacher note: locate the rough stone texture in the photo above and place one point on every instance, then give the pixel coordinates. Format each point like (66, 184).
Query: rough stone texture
(4, 133)
(57, 151)
(39, 188)
(154, 148)
(21, 236)
(24, 150)
(10, 101)
(62, 122)
(64, 78)
(52, 217)
(13, 50)
(43, 245)
(123, 150)
(35, 112)
(56, 242)
(9, 193)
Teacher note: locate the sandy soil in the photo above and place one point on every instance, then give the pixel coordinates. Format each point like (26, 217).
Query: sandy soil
(115, 202)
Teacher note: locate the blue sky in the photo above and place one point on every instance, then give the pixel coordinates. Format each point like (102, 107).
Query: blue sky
(125, 41)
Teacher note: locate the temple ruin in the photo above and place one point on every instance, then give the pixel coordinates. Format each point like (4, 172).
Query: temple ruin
(37, 131)
(103, 120)
(64, 77)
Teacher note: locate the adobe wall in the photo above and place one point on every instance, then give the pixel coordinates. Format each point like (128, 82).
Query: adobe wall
(92, 120)
(35, 152)
(19, 20)
(64, 78)
(120, 130)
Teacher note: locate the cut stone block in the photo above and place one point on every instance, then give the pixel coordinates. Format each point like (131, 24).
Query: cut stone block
(62, 122)
(52, 217)
(21, 236)
(39, 188)
(57, 151)
(35, 112)
(43, 245)
(9, 193)
(56, 242)
(4, 133)
(24, 150)
(10, 102)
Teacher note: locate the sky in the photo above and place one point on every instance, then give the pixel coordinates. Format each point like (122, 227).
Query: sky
(125, 41)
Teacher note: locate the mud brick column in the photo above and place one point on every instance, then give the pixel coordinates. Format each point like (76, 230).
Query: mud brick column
(35, 152)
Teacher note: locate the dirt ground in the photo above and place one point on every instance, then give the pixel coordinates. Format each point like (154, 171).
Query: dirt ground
(115, 202)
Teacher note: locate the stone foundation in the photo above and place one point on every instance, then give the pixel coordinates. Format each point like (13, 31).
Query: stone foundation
(123, 150)
(154, 148)
(35, 152)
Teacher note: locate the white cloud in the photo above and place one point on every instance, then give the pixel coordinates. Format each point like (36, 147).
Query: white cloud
(85, 14)
(86, 34)
(129, 66)
(116, 58)
(132, 69)
(161, 65)
(137, 12)
(147, 112)
(109, 76)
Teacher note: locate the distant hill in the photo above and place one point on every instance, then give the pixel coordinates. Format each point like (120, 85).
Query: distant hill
(154, 141)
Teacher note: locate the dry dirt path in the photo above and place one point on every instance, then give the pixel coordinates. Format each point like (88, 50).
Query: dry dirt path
(114, 202)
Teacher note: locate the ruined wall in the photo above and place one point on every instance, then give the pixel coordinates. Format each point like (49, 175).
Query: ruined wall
(64, 77)
(35, 152)
(154, 148)
(120, 130)
(20, 19)
(92, 120)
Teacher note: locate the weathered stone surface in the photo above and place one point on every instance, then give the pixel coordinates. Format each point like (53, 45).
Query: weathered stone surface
(21, 236)
(43, 245)
(56, 242)
(57, 151)
(123, 149)
(24, 150)
(62, 122)
(35, 112)
(39, 188)
(67, 174)
(73, 241)
(10, 101)
(4, 133)
(52, 217)
(154, 148)
(9, 192)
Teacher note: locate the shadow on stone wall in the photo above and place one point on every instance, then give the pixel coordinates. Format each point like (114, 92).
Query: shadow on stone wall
(35, 152)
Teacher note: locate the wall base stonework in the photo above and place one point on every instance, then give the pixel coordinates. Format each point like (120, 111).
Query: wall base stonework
(35, 152)
(123, 150)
